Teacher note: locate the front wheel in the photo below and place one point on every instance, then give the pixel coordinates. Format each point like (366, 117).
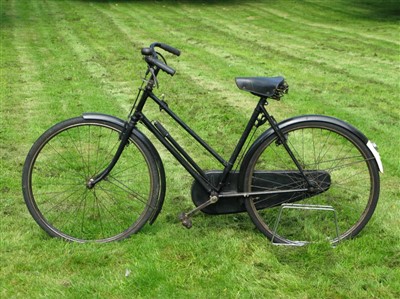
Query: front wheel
(332, 157)
(59, 167)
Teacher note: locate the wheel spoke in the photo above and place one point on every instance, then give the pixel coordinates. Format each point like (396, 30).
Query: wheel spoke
(61, 163)
(344, 170)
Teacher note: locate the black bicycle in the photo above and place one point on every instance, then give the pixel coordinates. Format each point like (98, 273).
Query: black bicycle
(99, 178)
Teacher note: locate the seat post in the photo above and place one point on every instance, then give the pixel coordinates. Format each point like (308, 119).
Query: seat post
(263, 103)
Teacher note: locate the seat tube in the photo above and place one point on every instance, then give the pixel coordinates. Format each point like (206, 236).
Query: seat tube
(242, 141)
(247, 130)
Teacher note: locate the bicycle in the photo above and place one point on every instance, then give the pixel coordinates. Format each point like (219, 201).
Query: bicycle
(99, 178)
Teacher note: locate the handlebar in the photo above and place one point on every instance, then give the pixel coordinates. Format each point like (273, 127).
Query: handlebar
(161, 65)
(152, 59)
(167, 48)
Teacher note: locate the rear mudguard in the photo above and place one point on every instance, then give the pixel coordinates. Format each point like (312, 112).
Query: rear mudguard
(149, 145)
(307, 118)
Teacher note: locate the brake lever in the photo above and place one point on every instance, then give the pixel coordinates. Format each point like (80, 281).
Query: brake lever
(154, 77)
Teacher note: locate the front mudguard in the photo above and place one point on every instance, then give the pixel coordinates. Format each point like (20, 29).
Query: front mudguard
(160, 167)
(308, 118)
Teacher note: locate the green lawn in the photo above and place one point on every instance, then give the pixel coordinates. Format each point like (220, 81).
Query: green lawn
(62, 58)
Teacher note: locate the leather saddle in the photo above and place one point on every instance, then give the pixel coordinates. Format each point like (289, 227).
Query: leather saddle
(268, 87)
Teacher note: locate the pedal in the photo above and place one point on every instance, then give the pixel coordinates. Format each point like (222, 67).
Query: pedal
(186, 221)
(185, 217)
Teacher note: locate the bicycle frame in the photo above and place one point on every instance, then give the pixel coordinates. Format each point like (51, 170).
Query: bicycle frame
(259, 115)
(182, 156)
(65, 163)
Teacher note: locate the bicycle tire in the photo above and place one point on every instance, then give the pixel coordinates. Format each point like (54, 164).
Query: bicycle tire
(320, 147)
(59, 166)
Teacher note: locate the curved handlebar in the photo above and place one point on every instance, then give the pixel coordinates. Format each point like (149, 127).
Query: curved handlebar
(161, 65)
(152, 59)
(167, 48)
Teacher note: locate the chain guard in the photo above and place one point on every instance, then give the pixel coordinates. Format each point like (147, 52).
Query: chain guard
(264, 180)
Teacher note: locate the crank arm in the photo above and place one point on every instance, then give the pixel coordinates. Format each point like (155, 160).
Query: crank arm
(185, 217)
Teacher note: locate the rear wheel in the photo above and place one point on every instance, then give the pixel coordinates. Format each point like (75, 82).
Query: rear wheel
(62, 162)
(329, 155)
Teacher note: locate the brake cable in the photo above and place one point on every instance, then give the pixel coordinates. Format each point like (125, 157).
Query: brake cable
(149, 70)
(162, 57)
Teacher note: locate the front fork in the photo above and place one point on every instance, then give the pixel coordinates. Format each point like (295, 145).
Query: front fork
(125, 134)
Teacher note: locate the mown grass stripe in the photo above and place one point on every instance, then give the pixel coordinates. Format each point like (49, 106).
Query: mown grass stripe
(289, 45)
(332, 20)
(318, 71)
(332, 70)
(220, 256)
(90, 46)
(206, 61)
(74, 57)
(26, 88)
(223, 89)
(376, 53)
(196, 81)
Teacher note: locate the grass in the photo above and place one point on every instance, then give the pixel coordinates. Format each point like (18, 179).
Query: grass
(62, 58)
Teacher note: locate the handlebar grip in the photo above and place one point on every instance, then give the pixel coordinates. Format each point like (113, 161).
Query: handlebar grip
(154, 61)
(169, 49)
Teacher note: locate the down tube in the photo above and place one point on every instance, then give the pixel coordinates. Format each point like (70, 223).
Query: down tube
(164, 106)
(189, 168)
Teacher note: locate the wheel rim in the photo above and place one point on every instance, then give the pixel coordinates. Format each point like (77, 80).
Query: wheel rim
(352, 194)
(116, 207)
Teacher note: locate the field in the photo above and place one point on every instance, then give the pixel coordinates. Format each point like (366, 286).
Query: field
(60, 59)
